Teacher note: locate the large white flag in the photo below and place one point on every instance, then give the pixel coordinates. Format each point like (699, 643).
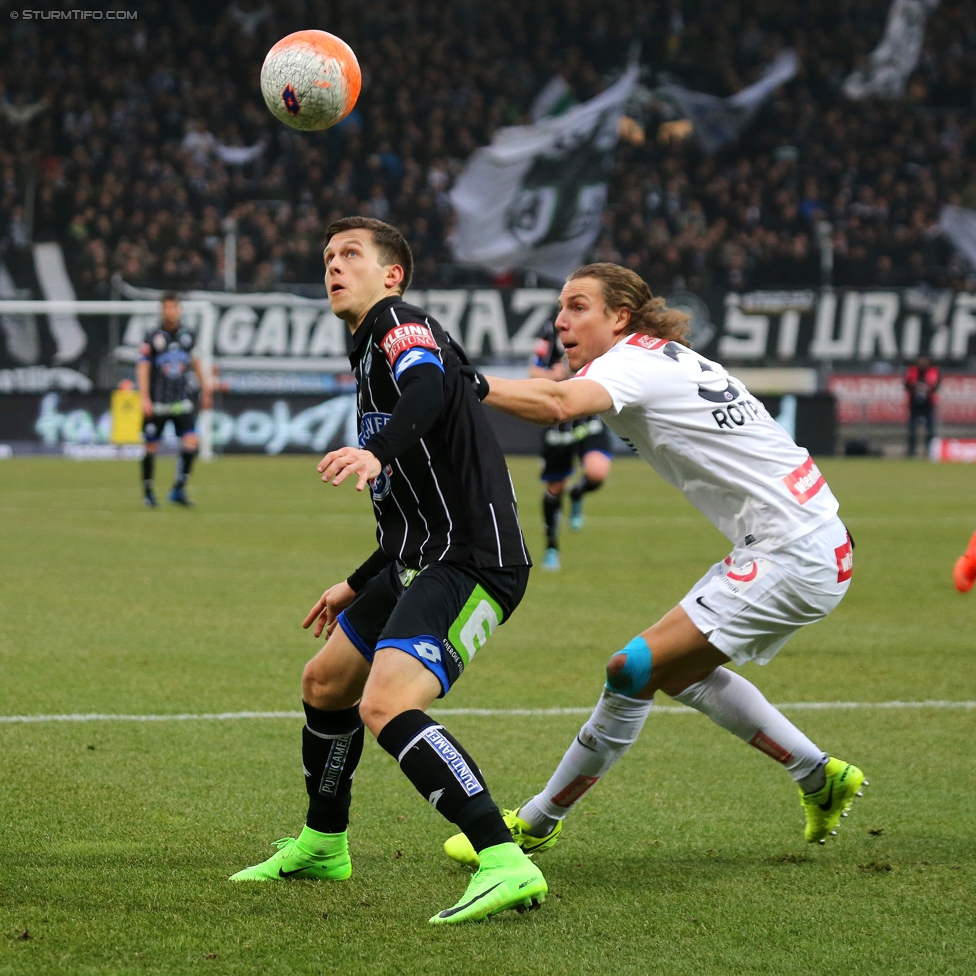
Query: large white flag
(534, 198)
(895, 57)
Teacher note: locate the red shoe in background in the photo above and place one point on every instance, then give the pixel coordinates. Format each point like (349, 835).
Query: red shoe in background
(964, 572)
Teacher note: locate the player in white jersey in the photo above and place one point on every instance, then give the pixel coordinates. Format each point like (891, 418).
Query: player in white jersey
(791, 562)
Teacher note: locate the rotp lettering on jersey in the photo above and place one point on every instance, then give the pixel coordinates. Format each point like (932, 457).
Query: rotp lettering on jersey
(636, 670)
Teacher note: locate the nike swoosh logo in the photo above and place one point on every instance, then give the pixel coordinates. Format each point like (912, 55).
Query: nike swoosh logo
(288, 874)
(830, 800)
(447, 913)
(702, 603)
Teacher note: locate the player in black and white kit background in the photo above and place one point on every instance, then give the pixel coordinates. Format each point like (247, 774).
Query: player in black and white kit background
(167, 391)
(586, 438)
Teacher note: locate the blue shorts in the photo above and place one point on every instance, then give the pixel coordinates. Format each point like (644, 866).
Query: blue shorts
(183, 423)
(563, 444)
(442, 616)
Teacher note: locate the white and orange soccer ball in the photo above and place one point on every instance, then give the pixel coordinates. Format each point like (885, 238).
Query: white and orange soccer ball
(311, 80)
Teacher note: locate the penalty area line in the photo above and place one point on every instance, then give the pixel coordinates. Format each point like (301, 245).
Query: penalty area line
(436, 712)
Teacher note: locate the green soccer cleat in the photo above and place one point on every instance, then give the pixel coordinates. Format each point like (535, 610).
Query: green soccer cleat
(576, 514)
(458, 848)
(506, 879)
(825, 807)
(293, 861)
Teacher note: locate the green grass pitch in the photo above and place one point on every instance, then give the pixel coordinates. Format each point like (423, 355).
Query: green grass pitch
(116, 838)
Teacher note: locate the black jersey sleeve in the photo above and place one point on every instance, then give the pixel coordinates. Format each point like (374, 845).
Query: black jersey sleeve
(377, 561)
(421, 403)
(548, 350)
(146, 347)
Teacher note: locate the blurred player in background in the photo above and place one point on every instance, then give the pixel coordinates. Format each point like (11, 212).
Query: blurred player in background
(451, 566)
(586, 438)
(791, 563)
(166, 361)
(964, 572)
(921, 384)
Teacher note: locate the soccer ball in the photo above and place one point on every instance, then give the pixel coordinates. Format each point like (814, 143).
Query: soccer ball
(310, 80)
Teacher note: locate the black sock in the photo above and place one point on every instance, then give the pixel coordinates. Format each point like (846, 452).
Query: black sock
(183, 467)
(552, 512)
(445, 775)
(332, 744)
(148, 463)
(582, 486)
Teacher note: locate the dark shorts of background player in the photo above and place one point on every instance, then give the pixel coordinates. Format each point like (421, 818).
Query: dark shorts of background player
(184, 423)
(563, 444)
(442, 616)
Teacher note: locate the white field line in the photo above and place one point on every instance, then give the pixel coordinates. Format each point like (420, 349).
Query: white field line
(436, 712)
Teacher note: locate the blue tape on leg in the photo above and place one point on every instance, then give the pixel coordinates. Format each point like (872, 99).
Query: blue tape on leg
(635, 673)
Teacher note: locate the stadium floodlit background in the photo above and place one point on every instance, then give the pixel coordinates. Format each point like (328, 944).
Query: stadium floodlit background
(822, 239)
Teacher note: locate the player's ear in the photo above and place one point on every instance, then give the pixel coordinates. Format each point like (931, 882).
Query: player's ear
(621, 319)
(394, 276)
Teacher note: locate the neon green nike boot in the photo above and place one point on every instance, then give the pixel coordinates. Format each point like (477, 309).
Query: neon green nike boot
(458, 848)
(506, 879)
(313, 855)
(825, 807)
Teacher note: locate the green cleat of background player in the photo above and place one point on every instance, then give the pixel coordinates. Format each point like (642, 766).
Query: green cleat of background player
(506, 879)
(312, 855)
(825, 807)
(458, 848)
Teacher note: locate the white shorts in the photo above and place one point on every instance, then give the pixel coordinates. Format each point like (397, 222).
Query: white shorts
(750, 604)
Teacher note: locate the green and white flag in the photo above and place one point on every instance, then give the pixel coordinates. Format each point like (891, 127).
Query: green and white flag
(534, 198)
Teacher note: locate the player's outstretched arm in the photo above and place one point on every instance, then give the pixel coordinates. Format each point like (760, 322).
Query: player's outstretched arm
(546, 402)
(421, 403)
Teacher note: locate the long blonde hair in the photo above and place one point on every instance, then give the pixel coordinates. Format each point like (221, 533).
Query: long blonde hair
(623, 288)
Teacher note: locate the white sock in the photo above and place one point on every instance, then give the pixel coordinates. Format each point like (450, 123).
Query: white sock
(608, 733)
(736, 704)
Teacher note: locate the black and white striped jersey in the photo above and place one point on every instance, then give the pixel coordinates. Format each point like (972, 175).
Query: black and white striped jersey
(170, 358)
(448, 496)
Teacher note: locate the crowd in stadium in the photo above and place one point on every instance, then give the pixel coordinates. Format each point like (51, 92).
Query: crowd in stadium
(133, 143)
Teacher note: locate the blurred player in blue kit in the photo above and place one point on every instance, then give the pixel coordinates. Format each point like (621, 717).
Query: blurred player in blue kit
(585, 438)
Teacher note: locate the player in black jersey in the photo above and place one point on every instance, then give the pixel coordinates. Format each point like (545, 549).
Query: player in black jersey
(586, 438)
(451, 565)
(166, 360)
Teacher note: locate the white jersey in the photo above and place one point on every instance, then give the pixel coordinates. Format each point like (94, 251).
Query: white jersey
(703, 432)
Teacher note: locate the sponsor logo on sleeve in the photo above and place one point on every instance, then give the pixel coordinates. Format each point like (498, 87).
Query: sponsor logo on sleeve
(412, 358)
(805, 481)
(410, 335)
(646, 341)
(845, 561)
